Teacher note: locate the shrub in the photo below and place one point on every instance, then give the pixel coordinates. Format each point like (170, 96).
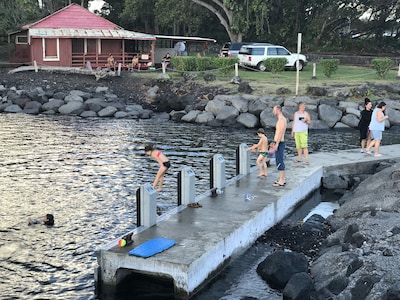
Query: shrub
(382, 66)
(329, 66)
(225, 65)
(192, 63)
(276, 64)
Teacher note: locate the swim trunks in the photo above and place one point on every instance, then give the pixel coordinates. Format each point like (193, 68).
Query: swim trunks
(263, 153)
(167, 164)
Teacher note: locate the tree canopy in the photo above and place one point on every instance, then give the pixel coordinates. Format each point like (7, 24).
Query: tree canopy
(327, 25)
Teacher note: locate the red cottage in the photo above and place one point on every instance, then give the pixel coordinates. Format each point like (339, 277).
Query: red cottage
(73, 36)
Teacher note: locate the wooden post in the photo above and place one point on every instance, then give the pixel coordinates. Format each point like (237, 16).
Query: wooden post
(398, 73)
(119, 69)
(314, 71)
(297, 63)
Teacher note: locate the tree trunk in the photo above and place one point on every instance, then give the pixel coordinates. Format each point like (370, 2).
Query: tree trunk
(226, 20)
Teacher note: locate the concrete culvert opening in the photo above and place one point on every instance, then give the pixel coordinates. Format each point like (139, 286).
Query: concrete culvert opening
(141, 286)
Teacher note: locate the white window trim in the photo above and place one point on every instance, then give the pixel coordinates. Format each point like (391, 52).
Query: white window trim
(21, 43)
(51, 58)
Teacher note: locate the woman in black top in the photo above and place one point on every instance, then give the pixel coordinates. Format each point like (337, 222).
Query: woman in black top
(365, 119)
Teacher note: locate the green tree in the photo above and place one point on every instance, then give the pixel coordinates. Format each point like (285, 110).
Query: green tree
(15, 13)
(231, 14)
(51, 6)
(139, 15)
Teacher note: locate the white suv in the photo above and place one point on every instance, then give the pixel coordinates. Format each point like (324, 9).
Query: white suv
(254, 56)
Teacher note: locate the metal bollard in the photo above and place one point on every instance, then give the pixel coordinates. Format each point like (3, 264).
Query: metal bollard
(186, 187)
(217, 172)
(146, 206)
(242, 160)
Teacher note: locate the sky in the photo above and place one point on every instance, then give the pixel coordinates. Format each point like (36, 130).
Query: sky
(95, 4)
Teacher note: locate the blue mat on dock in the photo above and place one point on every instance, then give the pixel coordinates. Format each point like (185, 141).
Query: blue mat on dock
(152, 247)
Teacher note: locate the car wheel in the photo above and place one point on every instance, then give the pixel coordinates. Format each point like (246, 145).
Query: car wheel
(261, 66)
(301, 65)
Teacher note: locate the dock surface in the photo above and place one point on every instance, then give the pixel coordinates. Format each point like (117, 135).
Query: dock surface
(209, 237)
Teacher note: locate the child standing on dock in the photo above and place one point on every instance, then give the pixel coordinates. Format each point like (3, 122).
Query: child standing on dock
(160, 157)
(262, 147)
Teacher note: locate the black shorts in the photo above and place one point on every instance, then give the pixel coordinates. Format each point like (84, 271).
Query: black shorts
(167, 164)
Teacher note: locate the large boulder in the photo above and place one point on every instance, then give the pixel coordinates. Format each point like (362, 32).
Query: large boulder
(394, 115)
(248, 120)
(75, 98)
(14, 108)
(329, 114)
(227, 113)
(256, 107)
(53, 104)
(299, 287)
(215, 106)
(205, 118)
(191, 116)
(79, 93)
(267, 118)
(241, 104)
(108, 111)
(32, 108)
(280, 266)
(350, 120)
(318, 125)
(88, 114)
(71, 108)
(21, 101)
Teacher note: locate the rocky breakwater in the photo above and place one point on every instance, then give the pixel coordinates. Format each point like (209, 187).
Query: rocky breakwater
(188, 102)
(360, 259)
(253, 111)
(96, 102)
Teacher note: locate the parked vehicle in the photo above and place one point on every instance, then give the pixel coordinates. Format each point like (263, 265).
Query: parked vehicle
(231, 49)
(255, 55)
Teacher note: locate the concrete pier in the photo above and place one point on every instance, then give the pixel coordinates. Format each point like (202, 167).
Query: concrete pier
(208, 238)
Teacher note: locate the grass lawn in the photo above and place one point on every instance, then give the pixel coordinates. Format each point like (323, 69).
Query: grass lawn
(266, 83)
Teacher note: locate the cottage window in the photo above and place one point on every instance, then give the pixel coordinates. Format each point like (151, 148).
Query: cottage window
(51, 49)
(21, 39)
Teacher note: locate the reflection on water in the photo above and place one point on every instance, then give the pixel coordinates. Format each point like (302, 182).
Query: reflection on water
(86, 172)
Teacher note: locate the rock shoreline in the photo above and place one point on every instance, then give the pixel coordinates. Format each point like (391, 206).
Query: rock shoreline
(353, 254)
(184, 105)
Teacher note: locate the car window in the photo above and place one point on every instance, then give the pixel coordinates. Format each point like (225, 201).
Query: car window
(282, 51)
(245, 50)
(257, 51)
(236, 46)
(272, 51)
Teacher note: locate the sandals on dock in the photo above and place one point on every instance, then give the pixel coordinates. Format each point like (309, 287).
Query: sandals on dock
(195, 205)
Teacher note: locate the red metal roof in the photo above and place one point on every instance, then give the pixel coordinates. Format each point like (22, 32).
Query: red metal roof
(73, 16)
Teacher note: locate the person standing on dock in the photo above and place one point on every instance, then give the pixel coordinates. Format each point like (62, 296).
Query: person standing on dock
(160, 157)
(279, 142)
(301, 120)
(363, 125)
(377, 126)
(262, 153)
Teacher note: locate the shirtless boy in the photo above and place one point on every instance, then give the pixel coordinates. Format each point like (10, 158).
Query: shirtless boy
(262, 147)
(160, 157)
